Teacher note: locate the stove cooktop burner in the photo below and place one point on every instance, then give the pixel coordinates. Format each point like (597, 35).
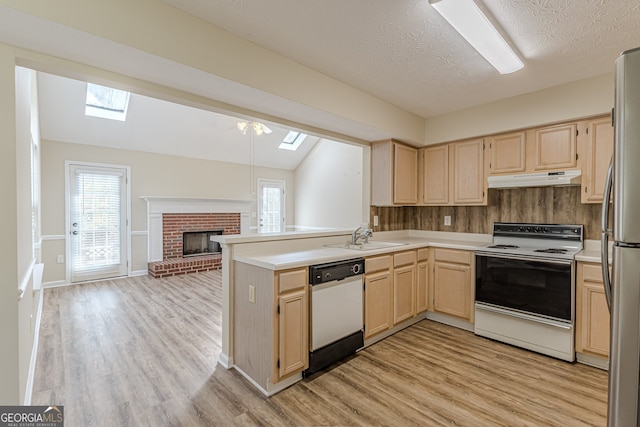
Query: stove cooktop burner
(552, 251)
(503, 247)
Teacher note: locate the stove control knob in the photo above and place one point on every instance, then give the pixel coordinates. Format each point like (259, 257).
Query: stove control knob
(529, 229)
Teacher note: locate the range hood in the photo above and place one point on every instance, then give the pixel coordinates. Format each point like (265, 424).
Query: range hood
(542, 179)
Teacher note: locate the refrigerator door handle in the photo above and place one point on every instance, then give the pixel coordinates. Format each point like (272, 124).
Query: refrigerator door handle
(606, 231)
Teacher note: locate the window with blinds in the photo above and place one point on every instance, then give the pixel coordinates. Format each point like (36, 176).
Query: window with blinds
(96, 221)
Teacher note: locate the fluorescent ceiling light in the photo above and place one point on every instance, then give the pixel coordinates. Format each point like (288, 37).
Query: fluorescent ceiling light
(292, 141)
(106, 102)
(468, 20)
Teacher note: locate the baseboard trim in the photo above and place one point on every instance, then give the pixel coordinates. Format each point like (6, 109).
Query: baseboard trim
(55, 284)
(34, 352)
(138, 273)
(225, 361)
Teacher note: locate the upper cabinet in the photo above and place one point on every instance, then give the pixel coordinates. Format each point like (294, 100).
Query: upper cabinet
(555, 147)
(394, 174)
(469, 181)
(453, 174)
(507, 154)
(598, 154)
(434, 175)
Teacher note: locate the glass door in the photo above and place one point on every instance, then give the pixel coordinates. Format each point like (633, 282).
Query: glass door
(270, 206)
(97, 222)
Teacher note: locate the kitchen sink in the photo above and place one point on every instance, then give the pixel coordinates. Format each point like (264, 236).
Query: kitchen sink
(370, 246)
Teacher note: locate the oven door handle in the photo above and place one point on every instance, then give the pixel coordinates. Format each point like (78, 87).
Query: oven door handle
(524, 316)
(524, 258)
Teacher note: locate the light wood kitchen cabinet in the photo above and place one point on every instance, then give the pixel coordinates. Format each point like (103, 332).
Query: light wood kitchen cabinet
(394, 174)
(452, 283)
(378, 295)
(507, 154)
(469, 181)
(422, 284)
(404, 286)
(598, 154)
(292, 311)
(434, 175)
(453, 174)
(555, 147)
(271, 322)
(592, 313)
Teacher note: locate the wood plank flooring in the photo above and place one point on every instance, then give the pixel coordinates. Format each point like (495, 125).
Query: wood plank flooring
(143, 352)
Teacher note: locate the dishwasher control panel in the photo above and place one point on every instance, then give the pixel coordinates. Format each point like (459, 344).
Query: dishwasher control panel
(338, 270)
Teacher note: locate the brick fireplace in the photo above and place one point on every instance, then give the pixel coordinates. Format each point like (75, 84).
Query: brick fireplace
(170, 218)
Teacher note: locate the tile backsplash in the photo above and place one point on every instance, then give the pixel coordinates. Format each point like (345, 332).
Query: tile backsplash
(557, 205)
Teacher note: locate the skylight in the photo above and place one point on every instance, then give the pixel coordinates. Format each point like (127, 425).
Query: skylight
(292, 141)
(106, 102)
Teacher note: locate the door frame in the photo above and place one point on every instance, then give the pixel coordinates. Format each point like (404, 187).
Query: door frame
(67, 210)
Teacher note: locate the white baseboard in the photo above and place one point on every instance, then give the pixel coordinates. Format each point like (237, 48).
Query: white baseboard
(34, 352)
(138, 273)
(55, 284)
(225, 361)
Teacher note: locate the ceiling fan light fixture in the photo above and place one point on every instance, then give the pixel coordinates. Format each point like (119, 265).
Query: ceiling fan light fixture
(258, 128)
(469, 21)
(242, 127)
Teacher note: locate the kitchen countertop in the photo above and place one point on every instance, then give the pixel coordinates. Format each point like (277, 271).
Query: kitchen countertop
(592, 251)
(410, 241)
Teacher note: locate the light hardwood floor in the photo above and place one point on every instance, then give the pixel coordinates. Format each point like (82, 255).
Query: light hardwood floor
(142, 352)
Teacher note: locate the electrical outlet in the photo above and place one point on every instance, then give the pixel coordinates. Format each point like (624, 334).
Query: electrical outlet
(252, 294)
(375, 220)
(60, 259)
(447, 220)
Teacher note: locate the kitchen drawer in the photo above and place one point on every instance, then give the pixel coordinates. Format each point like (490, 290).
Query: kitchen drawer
(292, 279)
(456, 257)
(423, 254)
(377, 263)
(404, 258)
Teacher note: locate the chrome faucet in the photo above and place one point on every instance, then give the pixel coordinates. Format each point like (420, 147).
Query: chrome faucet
(365, 234)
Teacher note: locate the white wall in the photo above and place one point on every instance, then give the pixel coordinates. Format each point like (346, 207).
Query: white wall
(151, 175)
(329, 186)
(579, 99)
(17, 316)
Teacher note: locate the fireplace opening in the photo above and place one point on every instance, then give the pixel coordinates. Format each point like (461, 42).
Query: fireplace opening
(196, 243)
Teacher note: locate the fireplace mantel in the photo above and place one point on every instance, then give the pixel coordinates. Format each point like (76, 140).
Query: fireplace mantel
(158, 205)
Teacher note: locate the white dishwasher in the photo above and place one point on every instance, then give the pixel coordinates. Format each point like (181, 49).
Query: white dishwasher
(336, 329)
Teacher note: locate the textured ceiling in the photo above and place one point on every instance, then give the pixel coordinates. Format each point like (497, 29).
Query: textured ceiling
(402, 51)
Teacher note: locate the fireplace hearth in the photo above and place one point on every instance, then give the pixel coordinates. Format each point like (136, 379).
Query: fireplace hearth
(196, 243)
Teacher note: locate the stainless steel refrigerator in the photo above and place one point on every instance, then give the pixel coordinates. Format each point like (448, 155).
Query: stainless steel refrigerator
(623, 290)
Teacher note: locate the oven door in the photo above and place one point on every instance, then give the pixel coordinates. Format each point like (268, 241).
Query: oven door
(531, 285)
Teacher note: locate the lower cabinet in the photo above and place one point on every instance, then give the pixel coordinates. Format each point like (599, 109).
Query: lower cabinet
(378, 295)
(592, 313)
(452, 283)
(422, 285)
(292, 312)
(404, 286)
(393, 289)
(271, 323)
